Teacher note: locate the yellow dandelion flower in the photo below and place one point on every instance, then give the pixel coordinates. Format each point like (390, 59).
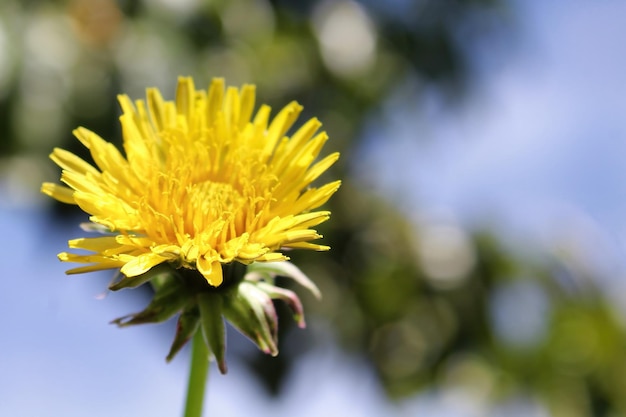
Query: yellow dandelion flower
(203, 183)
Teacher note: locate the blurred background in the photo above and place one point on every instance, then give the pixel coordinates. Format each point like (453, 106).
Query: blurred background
(478, 261)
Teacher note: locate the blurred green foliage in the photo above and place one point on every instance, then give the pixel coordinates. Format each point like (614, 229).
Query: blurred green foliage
(429, 305)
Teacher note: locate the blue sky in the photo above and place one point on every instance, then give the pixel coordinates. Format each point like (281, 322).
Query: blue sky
(538, 146)
(536, 151)
(541, 132)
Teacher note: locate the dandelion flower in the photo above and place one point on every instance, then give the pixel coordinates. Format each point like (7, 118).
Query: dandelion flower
(202, 183)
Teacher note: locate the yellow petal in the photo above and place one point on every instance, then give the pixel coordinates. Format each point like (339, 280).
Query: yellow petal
(94, 244)
(214, 100)
(307, 245)
(58, 192)
(211, 270)
(71, 162)
(142, 264)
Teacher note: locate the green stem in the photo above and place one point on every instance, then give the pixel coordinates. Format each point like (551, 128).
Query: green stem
(198, 374)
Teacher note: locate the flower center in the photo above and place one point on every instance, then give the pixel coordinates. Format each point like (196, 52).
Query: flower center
(207, 211)
(210, 201)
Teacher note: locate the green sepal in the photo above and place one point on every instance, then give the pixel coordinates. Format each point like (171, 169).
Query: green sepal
(157, 273)
(252, 313)
(186, 327)
(265, 312)
(213, 328)
(289, 297)
(269, 270)
(169, 299)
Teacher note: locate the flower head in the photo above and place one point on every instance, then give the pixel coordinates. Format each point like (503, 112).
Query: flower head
(203, 183)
